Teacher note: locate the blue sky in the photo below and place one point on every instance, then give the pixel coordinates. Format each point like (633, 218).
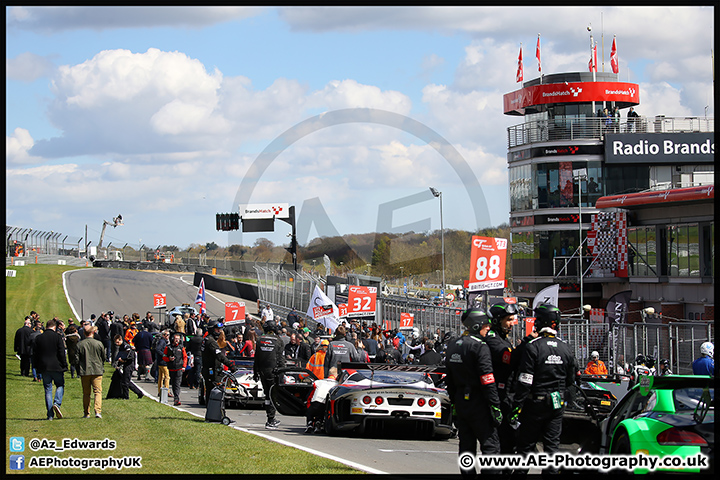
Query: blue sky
(158, 113)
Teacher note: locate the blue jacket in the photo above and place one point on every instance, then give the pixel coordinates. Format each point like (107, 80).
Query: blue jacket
(704, 366)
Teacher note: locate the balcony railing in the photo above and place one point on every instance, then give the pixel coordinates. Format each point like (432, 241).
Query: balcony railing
(595, 128)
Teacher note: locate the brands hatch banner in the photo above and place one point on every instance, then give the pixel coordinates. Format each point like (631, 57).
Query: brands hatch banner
(617, 307)
(264, 210)
(576, 92)
(673, 148)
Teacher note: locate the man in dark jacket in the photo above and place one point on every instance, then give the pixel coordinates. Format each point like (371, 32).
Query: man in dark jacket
(176, 358)
(143, 344)
(268, 358)
(472, 390)
(213, 358)
(50, 360)
(125, 363)
(340, 350)
(163, 375)
(23, 348)
(103, 334)
(547, 368)
(195, 347)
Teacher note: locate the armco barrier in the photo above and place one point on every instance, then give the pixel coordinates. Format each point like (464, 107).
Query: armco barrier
(228, 287)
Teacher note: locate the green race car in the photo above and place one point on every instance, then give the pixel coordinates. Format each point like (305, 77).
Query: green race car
(665, 416)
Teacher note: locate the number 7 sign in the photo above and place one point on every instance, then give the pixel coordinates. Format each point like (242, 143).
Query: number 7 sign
(234, 312)
(487, 263)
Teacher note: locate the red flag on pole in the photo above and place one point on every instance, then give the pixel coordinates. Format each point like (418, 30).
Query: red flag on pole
(592, 64)
(519, 74)
(614, 57)
(537, 53)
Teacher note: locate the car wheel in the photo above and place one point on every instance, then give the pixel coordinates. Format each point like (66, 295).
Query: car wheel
(620, 443)
(329, 428)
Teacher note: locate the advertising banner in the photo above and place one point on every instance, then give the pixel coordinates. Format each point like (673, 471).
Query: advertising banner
(572, 92)
(617, 307)
(264, 210)
(323, 310)
(487, 263)
(361, 301)
(234, 313)
(654, 148)
(159, 300)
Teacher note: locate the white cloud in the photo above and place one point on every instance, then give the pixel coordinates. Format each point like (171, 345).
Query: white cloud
(351, 94)
(57, 19)
(28, 67)
(17, 148)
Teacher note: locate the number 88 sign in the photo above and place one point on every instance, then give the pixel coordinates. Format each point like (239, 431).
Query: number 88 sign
(487, 263)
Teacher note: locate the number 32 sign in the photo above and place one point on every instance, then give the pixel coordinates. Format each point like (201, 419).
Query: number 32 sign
(361, 301)
(487, 263)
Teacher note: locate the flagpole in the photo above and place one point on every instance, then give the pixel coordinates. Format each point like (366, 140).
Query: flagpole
(537, 54)
(589, 28)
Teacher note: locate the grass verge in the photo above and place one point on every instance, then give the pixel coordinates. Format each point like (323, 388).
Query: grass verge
(169, 441)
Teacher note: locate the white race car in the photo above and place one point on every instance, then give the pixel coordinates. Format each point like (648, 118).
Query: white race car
(372, 397)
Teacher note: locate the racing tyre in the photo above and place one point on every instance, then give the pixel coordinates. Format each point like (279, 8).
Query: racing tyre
(621, 443)
(329, 429)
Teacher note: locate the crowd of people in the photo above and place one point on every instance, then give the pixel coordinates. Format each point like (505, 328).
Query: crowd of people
(506, 395)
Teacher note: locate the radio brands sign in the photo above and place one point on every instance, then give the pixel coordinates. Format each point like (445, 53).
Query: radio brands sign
(673, 148)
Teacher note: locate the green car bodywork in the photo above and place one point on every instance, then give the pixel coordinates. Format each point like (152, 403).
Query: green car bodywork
(659, 404)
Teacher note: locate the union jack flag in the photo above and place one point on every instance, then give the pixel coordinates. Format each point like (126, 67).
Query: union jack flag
(200, 299)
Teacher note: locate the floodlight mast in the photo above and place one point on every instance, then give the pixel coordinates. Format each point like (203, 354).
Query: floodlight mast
(117, 221)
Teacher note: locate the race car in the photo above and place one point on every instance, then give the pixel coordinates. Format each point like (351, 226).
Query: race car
(587, 399)
(370, 397)
(242, 391)
(661, 416)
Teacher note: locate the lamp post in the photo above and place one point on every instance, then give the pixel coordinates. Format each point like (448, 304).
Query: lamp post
(438, 194)
(580, 174)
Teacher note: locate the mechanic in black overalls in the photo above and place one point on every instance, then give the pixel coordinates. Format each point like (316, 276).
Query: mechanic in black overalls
(473, 391)
(505, 359)
(268, 358)
(213, 358)
(546, 368)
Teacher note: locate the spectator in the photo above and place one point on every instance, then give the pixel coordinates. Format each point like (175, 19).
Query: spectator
(125, 363)
(163, 372)
(194, 347)
(297, 351)
(103, 334)
(267, 314)
(362, 354)
(632, 119)
(176, 358)
(50, 360)
(284, 338)
(117, 327)
(91, 358)
(37, 331)
(248, 348)
(292, 317)
(143, 345)
(22, 346)
(179, 325)
(370, 346)
(72, 337)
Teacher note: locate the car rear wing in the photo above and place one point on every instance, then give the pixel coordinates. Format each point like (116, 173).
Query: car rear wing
(650, 382)
(611, 378)
(374, 367)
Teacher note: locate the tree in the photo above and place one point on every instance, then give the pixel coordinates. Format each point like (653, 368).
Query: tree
(211, 246)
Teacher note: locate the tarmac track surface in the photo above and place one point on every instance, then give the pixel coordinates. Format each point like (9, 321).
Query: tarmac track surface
(126, 291)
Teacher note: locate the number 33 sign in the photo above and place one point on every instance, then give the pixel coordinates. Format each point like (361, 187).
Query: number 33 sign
(361, 301)
(487, 263)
